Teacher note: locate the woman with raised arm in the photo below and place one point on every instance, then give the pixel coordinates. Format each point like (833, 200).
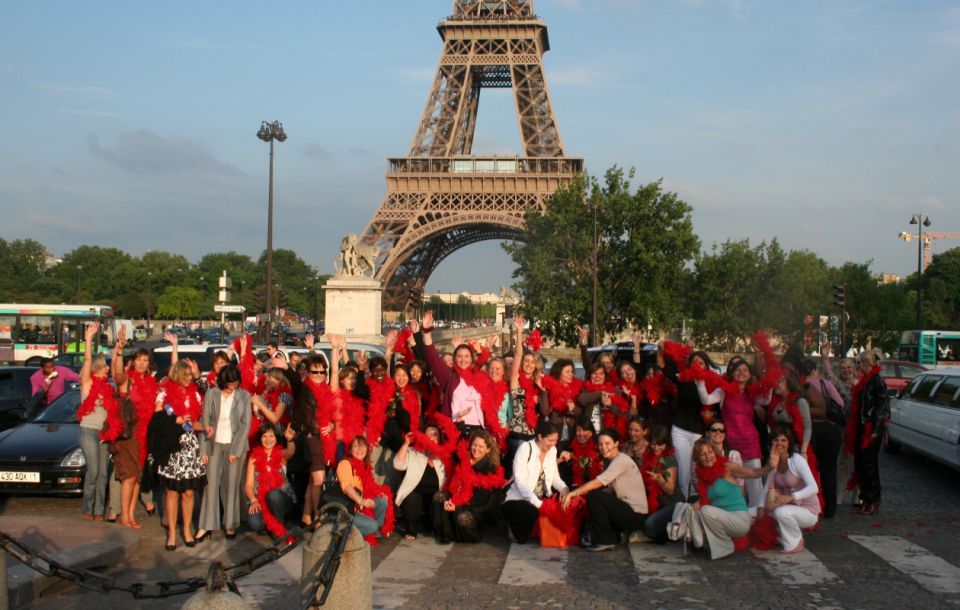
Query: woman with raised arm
(176, 449)
(527, 393)
(602, 402)
(420, 459)
(269, 493)
(461, 383)
(138, 384)
(791, 492)
(99, 424)
(273, 405)
(225, 421)
(348, 410)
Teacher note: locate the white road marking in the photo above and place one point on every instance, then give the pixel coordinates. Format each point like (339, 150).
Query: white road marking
(932, 572)
(529, 564)
(664, 563)
(803, 568)
(406, 569)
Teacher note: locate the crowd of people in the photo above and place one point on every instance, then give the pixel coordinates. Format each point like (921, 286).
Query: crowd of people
(458, 444)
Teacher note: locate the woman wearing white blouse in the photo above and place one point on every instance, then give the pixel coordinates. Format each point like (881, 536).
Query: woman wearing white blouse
(535, 476)
(791, 496)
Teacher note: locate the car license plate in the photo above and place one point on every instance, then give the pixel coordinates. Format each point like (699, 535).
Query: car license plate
(19, 477)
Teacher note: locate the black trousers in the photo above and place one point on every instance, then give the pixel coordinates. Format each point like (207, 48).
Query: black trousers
(520, 516)
(866, 463)
(414, 507)
(826, 440)
(609, 515)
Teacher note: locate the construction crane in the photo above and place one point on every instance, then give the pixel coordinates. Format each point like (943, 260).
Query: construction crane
(928, 236)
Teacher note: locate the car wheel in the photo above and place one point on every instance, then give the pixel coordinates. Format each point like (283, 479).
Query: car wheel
(890, 446)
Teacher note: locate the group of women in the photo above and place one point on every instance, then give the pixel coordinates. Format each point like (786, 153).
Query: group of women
(451, 443)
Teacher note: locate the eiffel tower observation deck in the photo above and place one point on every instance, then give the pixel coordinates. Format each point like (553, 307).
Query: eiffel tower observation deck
(441, 197)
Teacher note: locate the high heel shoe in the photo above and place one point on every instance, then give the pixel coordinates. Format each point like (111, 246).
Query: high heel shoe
(171, 547)
(151, 511)
(868, 509)
(201, 537)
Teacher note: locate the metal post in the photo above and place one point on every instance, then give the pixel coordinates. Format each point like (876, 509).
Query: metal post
(269, 294)
(919, 270)
(596, 272)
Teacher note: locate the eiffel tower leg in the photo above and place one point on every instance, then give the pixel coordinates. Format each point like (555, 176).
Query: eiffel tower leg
(538, 127)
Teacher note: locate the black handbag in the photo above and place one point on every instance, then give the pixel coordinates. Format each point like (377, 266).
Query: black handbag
(332, 494)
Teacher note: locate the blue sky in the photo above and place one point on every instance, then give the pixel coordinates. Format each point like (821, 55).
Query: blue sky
(825, 124)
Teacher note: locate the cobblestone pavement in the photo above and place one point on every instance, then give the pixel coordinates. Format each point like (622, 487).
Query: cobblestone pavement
(907, 557)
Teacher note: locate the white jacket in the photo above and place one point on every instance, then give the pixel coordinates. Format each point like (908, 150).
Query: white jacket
(415, 464)
(526, 471)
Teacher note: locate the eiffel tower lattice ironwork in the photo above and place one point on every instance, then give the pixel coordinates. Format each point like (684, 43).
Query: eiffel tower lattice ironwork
(440, 197)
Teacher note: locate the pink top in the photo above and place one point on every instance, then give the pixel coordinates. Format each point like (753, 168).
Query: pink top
(787, 483)
(737, 413)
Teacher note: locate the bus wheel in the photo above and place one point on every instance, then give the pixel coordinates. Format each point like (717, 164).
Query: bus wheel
(35, 361)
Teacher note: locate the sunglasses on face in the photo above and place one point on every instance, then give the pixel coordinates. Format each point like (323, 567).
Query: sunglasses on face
(318, 372)
(720, 430)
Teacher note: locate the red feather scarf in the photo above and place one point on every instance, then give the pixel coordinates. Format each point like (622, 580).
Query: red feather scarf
(371, 489)
(270, 476)
(104, 394)
(323, 397)
(532, 394)
(184, 400)
(465, 479)
(351, 410)
(866, 437)
(656, 464)
(561, 394)
(654, 389)
(587, 463)
(143, 394)
(422, 443)
(706, 477)
(616, 416)
(491, 397)
(381, 394)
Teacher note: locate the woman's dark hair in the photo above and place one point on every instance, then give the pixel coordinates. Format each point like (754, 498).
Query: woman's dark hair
(363, 441)
(557, 367)
(377, 361)
(143, 352)
(703, 356)
(494, 456)
(613, 434)
(593, 368)
(420, 364)
(659, 435)
(619, 367)
(401, 367)
(793, 381)
(268, 427)
(263, 357)
(787, 431)
(545, 429)
(315, 361)
(807, 366)
(346, 372)
(217, 355)
(228, 374)
(734, 364)
(586, 423)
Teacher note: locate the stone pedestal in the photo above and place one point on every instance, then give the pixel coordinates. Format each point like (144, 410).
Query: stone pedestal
(353, 308)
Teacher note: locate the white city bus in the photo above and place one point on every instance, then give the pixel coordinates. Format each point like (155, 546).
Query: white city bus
(29, 332)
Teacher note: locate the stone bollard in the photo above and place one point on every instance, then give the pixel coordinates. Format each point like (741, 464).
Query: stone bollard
(4, 594)
(353, 585)
(215, 600)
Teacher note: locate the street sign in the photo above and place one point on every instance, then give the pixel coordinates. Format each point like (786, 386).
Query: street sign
(229, 308)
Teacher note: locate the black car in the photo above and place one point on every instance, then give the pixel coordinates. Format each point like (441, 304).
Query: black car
(42, 455)
(623, 350)
(14, 393)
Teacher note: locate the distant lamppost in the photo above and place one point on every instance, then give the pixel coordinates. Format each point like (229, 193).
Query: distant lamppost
(921, 220)
(202, 278)
(268, 133)
(79, 273)
(149, 300)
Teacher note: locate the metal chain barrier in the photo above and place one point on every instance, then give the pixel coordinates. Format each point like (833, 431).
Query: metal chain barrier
(217, 577)
(342, 522)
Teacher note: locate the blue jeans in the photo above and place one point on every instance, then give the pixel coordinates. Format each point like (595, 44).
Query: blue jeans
(656, 524)
(368, 526)
(279, 504)
(96, 455)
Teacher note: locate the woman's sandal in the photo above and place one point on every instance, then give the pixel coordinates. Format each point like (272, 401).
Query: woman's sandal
(151, 511)
(409, 537)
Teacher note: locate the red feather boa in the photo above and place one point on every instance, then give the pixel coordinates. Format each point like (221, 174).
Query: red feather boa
(587, 463)
(402, 346)
(561, 394)
(569, 521)
(491, 397)
(534, 341)
(323, 397)
(532, 394)
(465, 479)
(381, 394)
(616, 416)
(352, 413)
(469, 376)
(101, 391)
(269, 469)
(410, 402)
(143, 393)
(850, 439)
(422, 443)
(184, 400)
(708, 476)
(655, 388)
(371, 489)
(657, 464)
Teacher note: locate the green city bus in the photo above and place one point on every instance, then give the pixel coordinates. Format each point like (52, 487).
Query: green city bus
(931, 348)
(29, 332)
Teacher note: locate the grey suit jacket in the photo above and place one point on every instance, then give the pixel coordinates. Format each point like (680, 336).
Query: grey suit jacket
(240, 416)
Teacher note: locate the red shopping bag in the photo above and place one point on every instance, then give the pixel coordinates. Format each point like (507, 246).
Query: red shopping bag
(561, 528)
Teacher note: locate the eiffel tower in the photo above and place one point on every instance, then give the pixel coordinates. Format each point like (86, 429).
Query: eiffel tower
(440, 197)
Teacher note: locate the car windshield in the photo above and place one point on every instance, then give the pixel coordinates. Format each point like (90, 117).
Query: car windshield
(61, 411)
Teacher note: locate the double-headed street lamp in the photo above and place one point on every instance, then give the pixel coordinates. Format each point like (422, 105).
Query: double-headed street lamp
(921, 220)
(268, 133)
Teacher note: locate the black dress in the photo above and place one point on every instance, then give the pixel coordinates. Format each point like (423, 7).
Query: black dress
(464, 524)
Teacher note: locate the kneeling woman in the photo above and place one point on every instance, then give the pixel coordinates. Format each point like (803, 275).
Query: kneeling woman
(624, 510)
(535, 476)
(459, 514)
(267, 489)
(791, 492)
(424, 476)
(371, 500)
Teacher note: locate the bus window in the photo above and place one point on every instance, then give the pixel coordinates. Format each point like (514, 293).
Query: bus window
(7, 324)
(948, 350)
(38, 330)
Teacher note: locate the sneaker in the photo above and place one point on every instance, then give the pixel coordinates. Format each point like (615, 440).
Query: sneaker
(599, 548)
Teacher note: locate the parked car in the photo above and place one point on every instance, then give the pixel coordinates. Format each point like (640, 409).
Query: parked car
(898, 373)
(623, 350)
(14, 393)
(925, 417)
(74, 360)
(42, 455)
(202, 354)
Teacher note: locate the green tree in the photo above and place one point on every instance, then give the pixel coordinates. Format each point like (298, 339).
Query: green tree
(179, 302)
(645, 240)
(941, 291)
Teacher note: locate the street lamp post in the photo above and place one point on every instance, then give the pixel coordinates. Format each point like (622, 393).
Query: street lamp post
(268, 133)
(596, 281)
(149, 300)
(79, 273)
(921, 220)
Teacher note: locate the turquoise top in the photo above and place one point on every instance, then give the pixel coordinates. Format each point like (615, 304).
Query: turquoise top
(726, 495)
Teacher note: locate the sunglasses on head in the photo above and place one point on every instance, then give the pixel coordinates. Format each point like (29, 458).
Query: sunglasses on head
(718, 430)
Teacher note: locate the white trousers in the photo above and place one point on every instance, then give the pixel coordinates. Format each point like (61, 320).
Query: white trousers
(754, 486)
(790, 521)
(683, 441)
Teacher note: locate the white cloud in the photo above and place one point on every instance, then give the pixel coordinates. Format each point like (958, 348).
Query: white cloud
(144, 152)
(84, 91)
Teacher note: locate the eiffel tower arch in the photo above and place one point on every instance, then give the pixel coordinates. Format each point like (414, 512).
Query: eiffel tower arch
(441, 197)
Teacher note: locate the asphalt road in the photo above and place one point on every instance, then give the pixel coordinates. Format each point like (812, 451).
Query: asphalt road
(907, 557)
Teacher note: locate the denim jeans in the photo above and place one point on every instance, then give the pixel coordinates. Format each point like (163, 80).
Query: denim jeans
(279, 504)
(368, 526)
(96, 455)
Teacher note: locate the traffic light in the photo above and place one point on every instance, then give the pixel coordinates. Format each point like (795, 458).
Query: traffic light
(840, 296)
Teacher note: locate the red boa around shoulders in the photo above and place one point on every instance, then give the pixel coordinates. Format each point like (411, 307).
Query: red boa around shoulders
(184, 400)
(465, 479)
(532, 400)
(491, 397)
(372, 489)
(270, 476)
(561, 394)
(143, 394)
(656, 464)
(654, 389)
(381, 394)
(106, 395)
(587, 462)
(850, 437)
(323, 398)
(708, 476)
(616, 416)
